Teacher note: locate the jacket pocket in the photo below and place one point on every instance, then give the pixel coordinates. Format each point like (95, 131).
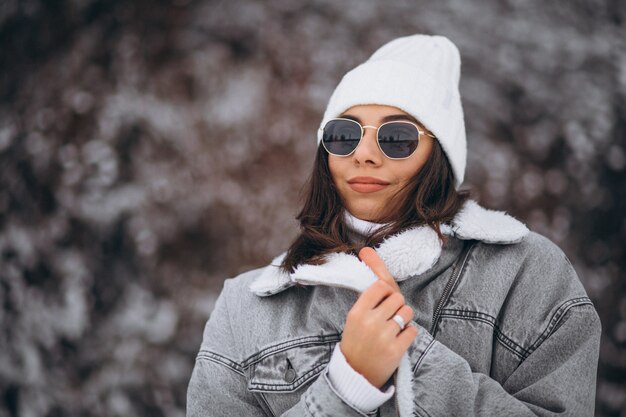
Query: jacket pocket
(283, 374)
(289, 368)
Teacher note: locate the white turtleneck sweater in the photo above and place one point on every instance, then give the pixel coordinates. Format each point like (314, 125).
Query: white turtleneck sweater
(353, 386)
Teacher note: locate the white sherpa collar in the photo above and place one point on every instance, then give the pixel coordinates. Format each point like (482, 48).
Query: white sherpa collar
(409, 253)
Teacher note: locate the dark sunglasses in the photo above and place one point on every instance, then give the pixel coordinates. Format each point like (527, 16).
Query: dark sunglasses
(397, 140)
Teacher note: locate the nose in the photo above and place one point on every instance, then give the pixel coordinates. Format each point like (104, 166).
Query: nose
(368, 150)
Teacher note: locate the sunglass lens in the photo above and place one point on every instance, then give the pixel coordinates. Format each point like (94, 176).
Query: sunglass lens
(398, 140)
(341, 137)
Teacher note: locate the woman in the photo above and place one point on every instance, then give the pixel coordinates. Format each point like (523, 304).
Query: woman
(399, 283)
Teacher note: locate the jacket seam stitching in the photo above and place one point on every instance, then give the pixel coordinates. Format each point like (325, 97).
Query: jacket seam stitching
(296, 384)
(506, 341)
(221, 360)
(556, 318)
(280, 347)
(421, 357)
(307, 404)
(421, 409)
(267, 404)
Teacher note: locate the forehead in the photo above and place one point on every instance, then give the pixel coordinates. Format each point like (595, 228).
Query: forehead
(387, 115)
(373, 110)
(377, 112)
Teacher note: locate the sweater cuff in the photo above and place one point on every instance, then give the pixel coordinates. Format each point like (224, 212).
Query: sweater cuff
(353, 386)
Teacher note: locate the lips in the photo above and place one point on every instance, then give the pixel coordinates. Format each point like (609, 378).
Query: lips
(367, 184)
(367, 180)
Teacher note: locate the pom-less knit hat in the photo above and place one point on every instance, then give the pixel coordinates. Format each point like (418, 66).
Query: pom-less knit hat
(419, 74)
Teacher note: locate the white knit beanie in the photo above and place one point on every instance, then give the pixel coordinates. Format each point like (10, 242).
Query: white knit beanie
(419, 74)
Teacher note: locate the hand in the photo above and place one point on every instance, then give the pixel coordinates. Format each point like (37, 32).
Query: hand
(371, 342)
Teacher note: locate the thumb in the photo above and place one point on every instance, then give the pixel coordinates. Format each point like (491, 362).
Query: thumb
(369, 256)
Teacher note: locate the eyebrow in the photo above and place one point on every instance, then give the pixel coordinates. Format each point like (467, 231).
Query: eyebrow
(389, 118)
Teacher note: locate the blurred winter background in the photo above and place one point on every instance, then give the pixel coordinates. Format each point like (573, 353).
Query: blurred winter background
(150, 149)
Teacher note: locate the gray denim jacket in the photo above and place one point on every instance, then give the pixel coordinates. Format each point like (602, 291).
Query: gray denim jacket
(505, 328)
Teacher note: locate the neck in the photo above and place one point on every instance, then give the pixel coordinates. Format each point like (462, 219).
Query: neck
(360, 229)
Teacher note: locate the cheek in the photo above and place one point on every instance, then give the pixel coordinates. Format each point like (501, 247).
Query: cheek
(407, 171)
(413, 165)
(334, 166)
(331, 164)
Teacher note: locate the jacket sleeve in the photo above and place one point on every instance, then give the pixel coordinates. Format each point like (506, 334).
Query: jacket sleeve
(218, 386)
(557, 378)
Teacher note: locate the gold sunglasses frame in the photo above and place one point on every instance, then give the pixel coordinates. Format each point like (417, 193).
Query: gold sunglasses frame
(419, 132)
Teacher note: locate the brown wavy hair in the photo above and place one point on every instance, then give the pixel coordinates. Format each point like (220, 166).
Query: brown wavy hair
(429, 198)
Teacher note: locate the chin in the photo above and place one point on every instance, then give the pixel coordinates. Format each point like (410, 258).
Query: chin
(363, 213)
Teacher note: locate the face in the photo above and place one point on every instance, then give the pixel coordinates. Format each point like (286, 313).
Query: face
(367, 179)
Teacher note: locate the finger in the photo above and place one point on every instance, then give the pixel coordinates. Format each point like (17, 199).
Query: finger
(369, 256)
(406, 313)
(407, 335)
(373, 296)
(389, 306)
